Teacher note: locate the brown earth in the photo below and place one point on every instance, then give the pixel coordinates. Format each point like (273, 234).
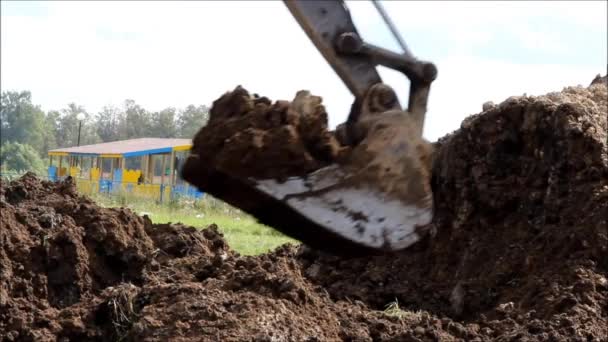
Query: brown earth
(599, 79)
(249, 136)
(519, 254)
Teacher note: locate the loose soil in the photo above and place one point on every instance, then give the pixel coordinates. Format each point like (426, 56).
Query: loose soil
(249, 136)
(519, 252)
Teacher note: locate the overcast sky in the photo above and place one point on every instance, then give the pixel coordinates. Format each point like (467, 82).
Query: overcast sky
(171, 54)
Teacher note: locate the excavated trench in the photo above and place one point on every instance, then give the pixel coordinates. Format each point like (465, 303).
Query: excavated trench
(519, 251)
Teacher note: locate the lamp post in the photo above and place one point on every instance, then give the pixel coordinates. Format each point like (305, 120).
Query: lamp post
(80, 117)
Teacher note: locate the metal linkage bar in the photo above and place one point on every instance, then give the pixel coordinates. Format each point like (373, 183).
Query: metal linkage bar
(392, 27)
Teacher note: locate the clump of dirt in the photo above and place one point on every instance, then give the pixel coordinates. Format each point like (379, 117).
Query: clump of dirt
(599, 79)
(249, 136)
(519, 253)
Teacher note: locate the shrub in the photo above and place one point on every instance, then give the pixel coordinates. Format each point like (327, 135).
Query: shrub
(23, 157)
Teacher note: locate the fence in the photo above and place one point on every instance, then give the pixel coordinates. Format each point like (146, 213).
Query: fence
(158, 192)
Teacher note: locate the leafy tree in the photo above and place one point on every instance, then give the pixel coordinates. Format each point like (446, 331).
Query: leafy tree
(191, 120)
(51, 127)
(137, 121)
(20, 157)
(108, 123)
(163, 124)
(89, 133)
(21, 121)
(25, 123)
(67, 127)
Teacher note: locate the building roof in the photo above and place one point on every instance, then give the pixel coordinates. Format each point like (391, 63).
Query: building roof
(127, 148)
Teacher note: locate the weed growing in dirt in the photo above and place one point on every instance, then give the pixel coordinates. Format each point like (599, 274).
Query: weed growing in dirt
(242, 232)
(394, 310)
(121, 308)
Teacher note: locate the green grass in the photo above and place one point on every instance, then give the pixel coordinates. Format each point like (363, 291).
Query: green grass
(242, 232)
(393, 309)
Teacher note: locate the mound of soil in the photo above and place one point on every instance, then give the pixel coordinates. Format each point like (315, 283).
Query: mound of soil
(249, 136)
(521, 243)
(73, 271)
(519, 253)
(599, 80)
(61, 254)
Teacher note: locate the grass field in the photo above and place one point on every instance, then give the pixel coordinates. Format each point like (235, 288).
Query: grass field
(242, 232)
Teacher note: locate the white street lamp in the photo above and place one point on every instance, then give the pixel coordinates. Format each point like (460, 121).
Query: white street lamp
(79, 117)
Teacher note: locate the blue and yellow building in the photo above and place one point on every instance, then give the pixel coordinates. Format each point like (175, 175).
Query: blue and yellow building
(145, 167)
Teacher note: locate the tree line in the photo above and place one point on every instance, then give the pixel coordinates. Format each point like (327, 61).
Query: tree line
(27, 132)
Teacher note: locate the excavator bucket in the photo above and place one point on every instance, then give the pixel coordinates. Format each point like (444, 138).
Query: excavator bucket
(379, 198)
(375, 197)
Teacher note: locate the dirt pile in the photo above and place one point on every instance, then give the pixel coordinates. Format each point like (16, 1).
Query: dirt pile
(599, 79)
(73, 271)
(519, 253)
(249, 136)
(61, 255)
(521, 241)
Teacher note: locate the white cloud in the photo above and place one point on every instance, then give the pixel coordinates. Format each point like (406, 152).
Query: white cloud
(176, 53)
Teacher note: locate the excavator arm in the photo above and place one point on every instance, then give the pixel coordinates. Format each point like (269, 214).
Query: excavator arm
(330, 27)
